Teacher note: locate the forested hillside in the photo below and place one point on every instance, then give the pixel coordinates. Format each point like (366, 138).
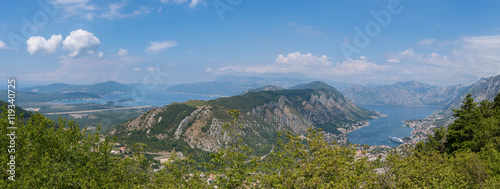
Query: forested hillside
(198, 124)
(58, 155)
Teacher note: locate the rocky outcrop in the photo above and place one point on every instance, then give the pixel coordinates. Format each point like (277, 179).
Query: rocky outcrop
(200, 124)
(143, 122)
(484, 89)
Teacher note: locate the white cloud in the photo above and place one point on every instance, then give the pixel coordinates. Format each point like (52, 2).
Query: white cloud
(192, 3)
(483, 48)
(356, 66)
(393, 60)
(81, 42)
(480, 54)
(426, 42)
(76, 8)
(409, 55)
(137, 69)
(123, 52)
(72, 1)
(157, 46)
(174, 1)
(113, 11)
(38, 44)
(298, 59)
(293, 62)
(3, 46)
(308, 64)
(461, 61)
(209, 70)
(101, 55)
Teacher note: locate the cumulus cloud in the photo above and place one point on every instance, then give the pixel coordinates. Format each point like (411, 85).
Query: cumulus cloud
(38, 44)
(308, 64)
(299, 59)
(293, 62)
(101, 55)
(157, 46)
(3, 46)
(123, 52)
(81, 42)
(409, 55)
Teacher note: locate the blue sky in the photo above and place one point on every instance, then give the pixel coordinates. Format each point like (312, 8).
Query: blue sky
(179, 41)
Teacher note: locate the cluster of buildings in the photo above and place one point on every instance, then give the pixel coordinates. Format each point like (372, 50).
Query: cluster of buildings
(120, 149)
(342, 138)
(423, 127)
(372, 152)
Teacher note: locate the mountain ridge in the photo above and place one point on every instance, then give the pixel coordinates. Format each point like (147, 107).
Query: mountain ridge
(198, 124)
(410, 94)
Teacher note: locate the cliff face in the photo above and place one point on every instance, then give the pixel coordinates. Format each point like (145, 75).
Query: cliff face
(199, 124)
(412, 94)
(484, 89)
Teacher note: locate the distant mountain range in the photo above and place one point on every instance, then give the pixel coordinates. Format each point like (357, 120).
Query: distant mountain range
(234, 85)
(100, 89)
(60, 91)
(412, 93)
(484, 89)
(198, 124)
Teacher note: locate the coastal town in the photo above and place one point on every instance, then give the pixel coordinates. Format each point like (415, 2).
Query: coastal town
(423, 127)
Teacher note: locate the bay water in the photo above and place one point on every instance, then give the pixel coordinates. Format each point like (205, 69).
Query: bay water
(379, 130)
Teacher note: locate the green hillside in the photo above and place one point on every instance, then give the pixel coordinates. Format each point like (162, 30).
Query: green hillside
(198, 124)
(58, 155)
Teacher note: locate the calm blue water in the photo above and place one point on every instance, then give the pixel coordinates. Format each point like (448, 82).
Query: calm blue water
(151, 98)
(379, 130)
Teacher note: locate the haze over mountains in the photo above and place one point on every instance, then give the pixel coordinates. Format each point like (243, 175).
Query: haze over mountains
(234, 85)
(410, 93)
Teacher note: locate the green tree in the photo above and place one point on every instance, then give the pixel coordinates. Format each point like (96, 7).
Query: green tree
(462, 129)
(53, 154)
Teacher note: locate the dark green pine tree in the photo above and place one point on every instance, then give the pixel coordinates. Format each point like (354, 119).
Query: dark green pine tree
(462, 130)
(496, 104)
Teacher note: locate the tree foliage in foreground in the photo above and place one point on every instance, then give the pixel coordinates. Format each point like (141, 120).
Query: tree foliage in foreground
(58, 155)
(465, 155)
